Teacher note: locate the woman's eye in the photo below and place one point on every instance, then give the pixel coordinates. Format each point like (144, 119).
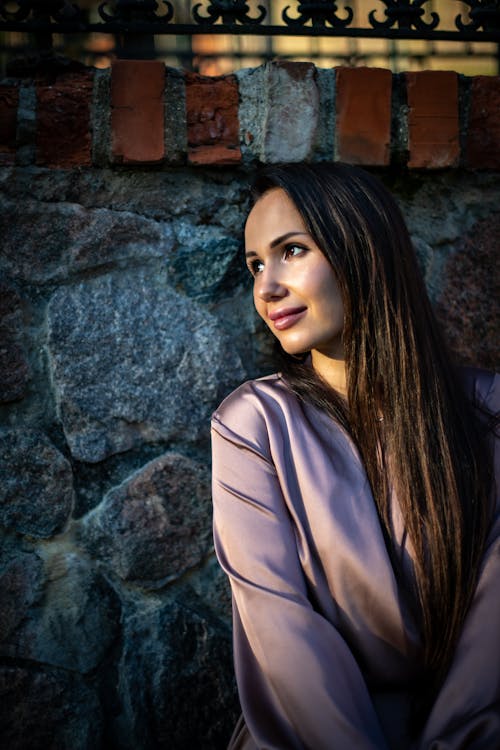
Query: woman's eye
(291, 251)
(255, 267)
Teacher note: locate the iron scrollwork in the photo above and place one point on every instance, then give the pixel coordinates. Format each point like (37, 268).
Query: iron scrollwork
(406, 13)
(230, 11)
(402, 19)
(58, 10)
(483, 14)
(130, 10)
(320, 13)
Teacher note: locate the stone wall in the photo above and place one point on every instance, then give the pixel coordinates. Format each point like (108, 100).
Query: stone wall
(125, 317)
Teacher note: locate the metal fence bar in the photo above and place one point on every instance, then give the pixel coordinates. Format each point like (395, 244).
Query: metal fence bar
(400, 19)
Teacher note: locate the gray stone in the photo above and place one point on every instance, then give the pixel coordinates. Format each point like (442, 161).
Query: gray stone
(440, 211)
(325, 134)
(176, 680)
(279, 111)
(26, 125)
(192, 195)
(21, 577)
(14, 368)
(157, 524)
(43, 710)
(292, 112)
(135, 362)
(175, 117)
(252, 86)
(212, 585)
(207, 262)
(70, 239)
(36, 484)
(101, 117)
(76, 621)
(468, 305)
(424, 254)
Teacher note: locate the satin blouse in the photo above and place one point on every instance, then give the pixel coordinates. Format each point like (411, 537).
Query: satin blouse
(326, 651)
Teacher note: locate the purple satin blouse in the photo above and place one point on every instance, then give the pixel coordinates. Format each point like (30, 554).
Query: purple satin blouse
(326, 652)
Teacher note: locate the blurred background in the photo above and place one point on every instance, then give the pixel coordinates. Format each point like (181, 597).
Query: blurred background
(214, 54)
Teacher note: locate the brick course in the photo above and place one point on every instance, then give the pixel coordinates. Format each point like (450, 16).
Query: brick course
(363, 121)
(137, 111)
(63, 136)
(212, 119)
(143, 113)
(483, 133)
(433, 129)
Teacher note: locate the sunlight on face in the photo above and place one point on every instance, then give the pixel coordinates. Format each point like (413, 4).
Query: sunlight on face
(295, 288)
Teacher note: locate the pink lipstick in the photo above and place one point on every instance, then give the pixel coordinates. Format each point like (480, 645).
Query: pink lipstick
(286, 317)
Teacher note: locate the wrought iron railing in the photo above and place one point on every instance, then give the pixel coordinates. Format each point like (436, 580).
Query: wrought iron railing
(136, 23)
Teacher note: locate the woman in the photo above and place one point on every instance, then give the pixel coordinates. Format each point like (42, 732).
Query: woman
(353, 492)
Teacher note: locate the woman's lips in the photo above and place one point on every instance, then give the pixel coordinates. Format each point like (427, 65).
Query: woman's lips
(286, 317)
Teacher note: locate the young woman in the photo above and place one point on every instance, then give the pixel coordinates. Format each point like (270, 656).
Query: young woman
(354, 506)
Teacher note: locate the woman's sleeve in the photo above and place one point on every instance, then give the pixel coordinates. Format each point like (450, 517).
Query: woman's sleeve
(299, 684)
(466, 713)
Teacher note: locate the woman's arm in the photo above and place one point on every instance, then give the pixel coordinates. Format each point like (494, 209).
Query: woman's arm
(466, 713)
(299, 684)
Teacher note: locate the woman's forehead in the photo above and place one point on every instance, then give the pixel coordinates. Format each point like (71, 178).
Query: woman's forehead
(272, 215)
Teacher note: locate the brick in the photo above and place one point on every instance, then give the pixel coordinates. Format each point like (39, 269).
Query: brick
(9, 100)
(433, 127)
(363, 115)
(212, 119)
(216, 154)
(137, 111)
(482, 149)
(63, 133)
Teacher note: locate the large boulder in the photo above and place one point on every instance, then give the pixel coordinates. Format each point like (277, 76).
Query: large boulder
(21, 586)
(14, 368)
(70, 239)
(73, 624)
(156, 525)
(47, 709)
(36, 484)
(469, 304)
(176, 678)
(133, 361)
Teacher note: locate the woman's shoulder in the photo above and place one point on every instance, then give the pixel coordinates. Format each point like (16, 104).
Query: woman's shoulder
(249, 412)
(253, 397)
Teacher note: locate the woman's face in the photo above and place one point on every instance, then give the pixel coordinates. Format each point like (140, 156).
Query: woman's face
(295, 289)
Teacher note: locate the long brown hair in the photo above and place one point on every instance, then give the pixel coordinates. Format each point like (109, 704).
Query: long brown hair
(435, 450)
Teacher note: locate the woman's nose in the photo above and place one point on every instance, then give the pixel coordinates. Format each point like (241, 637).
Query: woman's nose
(269, 286)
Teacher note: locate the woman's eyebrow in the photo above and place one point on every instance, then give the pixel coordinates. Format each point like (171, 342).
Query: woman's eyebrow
(277, 241)
(286, 236)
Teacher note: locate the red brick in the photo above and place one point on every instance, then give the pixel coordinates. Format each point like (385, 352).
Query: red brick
(137, 111)
(63, 137)
(483, 135)
(433, 129)
(215, 154)
(9, 100)
(212, 119)
(363, 122)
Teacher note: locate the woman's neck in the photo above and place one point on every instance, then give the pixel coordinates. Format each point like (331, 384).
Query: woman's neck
(332, 370)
